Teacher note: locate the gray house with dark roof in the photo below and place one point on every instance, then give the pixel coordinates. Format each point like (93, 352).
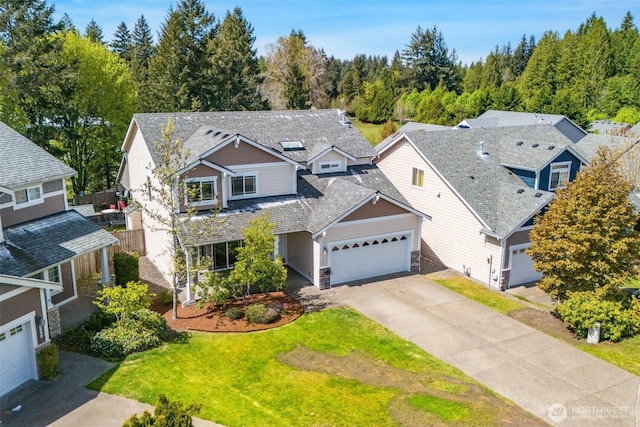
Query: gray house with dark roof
(337, 217)
(482, 189)
(39, 239)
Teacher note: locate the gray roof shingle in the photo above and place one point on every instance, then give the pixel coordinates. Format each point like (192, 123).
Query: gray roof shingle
(321, 200)
(498, 197)
(40, 243)
(315, 129)
(22, 162)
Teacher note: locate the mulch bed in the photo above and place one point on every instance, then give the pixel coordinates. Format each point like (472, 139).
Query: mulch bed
(212, 319)
(546, 322)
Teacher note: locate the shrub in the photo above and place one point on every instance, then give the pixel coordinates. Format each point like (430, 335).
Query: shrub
(166, 413)
(76, 339)
(98, 320)
(154, 322)
(262, 314)
(124, 301)
(214, 289)
(234, 313)
(123, 338)
(126, 268)
(619, 317)
(48, 362)
(165, 296)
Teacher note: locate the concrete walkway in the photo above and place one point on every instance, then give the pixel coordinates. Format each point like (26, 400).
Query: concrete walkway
(553, 380)
(67, 402)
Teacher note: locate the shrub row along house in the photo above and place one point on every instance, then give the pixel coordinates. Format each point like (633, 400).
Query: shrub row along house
(337, 217)
(39, 239)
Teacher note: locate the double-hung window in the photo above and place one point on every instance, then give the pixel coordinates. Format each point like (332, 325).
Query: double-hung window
(200, 190)
(417, 177)
(559, 175)
(244, 185)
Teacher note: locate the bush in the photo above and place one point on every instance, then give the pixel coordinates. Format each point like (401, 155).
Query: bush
(123, 338)
(166, 413)
(126, 268)
(262, 314)
(124, 301)
(98, 320)
(234, 313)
(48, 362)
(619, 317)
(154, 322)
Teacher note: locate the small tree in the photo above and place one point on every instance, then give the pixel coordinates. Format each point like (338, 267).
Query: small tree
(166, 414)
(586, 239)
(123, 302)
(255, 265)
(388, 129)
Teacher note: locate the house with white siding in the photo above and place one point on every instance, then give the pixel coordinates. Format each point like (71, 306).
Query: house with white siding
(482, 189)
(337, 217)
(40, 237)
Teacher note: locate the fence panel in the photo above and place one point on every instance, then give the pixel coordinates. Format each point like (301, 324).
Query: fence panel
(130, 241)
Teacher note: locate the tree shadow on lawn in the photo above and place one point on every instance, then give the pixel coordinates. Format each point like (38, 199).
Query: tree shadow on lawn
(424, 399)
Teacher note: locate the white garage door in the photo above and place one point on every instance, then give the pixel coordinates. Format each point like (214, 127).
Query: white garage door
(17, 357)
(369, 257)
(522, 266)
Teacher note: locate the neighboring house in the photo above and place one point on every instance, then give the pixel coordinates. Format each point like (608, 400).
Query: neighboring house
(410, 127)
(608, 127)
(337, 218)
(482, 189)
(495, 118)
(39, 239)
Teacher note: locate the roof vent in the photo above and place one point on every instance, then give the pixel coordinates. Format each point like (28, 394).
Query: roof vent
(551, 147)
(520, 190)
(472, 177)
(208, 132)
(536, 145)
(519, 143)
(537, 195)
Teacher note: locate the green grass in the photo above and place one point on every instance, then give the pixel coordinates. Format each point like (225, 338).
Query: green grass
(481, 294)
(623, 354)
(355, 376)
(634, 283)
(370, 131)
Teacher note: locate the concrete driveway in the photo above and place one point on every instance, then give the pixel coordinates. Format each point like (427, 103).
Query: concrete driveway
(553, 380)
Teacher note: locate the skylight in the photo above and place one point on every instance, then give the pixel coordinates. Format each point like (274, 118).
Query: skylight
(292, 145)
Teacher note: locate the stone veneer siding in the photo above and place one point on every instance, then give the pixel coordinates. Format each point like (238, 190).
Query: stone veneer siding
(325, 278)
(53, 319)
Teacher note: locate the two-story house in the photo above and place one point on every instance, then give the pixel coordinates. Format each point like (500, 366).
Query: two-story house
(482, 189)
(39, 239)
(337, 217)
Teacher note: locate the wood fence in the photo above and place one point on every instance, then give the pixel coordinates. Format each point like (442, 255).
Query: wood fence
(130, 241)
(100, 200)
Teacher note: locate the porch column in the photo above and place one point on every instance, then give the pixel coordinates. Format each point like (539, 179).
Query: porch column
(189, 279)
(104, 267)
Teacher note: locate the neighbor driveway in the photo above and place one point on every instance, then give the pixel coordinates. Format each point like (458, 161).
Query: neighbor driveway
(553, 380)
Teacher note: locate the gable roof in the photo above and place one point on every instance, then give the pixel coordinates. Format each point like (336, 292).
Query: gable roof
(497, 197)
(590, 143)
(35, 245)
(313, 128)
(321, 201)
(410, 127)
(23, 162)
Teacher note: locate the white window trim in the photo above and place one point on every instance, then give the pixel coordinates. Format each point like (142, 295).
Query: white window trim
(243, 195)
(28, 203)
(415, 168)
(45, 273)
(566, 164)
(187, 181)
(332, 166)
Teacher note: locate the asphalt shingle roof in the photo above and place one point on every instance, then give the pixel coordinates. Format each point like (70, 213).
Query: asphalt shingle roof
(590, 143)
(499, 197)
(321, 199)
(315, 129)
(37, 244)
(22, 162)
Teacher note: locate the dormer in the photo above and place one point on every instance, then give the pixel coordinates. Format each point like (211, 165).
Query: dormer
(330, 160)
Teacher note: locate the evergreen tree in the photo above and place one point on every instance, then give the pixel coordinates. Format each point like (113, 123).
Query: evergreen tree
(586, 239)
(234, 70)
(624, 39)
(35, 76)
(538, 81)
(178, 71)
(93, 32)
(122, 42)
(141, 53)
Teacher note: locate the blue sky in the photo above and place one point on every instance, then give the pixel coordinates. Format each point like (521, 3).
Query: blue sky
(374, 27)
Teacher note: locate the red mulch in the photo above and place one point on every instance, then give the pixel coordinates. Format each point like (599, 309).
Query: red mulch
(212, 319)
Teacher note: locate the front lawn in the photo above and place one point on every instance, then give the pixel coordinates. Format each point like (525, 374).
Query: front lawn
(623, 354)
(332, 368)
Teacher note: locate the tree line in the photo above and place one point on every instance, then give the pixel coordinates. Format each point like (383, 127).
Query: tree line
(74, 93)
